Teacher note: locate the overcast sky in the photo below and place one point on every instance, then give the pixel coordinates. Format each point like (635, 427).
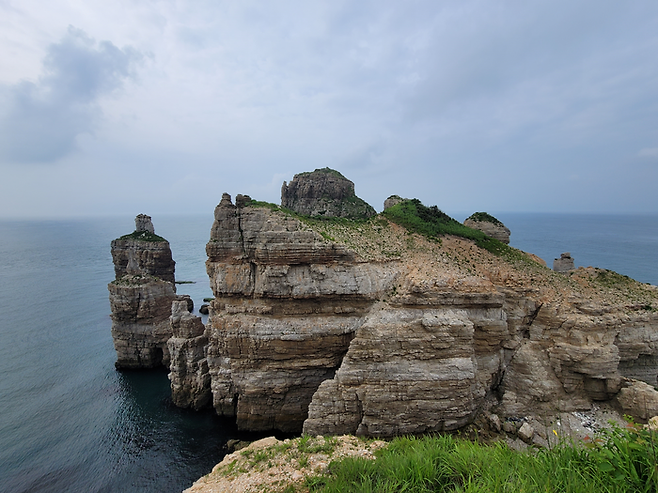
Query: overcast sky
(158, 107)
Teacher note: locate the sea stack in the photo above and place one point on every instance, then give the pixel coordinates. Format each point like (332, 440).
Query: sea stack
(141, 297)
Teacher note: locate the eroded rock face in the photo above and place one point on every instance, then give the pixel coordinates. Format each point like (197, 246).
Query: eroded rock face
(141, 306)
(286, 306)
(188, 369)
(304, 334)
(564, 264)
(141, 297)
(489, 225)
(324, 192)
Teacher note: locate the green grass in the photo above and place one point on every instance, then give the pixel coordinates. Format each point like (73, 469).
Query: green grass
(484, 217)
(622, 460)
(142, 236)
(432, 223)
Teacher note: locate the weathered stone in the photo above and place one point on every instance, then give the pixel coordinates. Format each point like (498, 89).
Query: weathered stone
(140, 320)
(638, 399)
(564, 264)
(489, 225)
(188, 370)
(324, 192)
(526, 433)
(143, 223)
(494, 423)
(141, 297)
(203, 309)
(392, 200)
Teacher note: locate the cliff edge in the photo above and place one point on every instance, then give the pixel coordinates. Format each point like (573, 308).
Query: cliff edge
(407, 322)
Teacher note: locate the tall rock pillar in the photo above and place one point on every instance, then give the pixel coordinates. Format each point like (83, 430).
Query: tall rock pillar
(141, 296)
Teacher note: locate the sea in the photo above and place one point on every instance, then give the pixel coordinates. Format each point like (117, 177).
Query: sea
(70, 422)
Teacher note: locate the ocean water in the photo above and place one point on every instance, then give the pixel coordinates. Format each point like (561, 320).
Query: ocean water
(70, 422)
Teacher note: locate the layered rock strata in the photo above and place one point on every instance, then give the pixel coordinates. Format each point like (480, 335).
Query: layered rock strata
(141, 296)
(303, 330)
(368, 329)
(324, 192)
(286, 306)
(188, 369)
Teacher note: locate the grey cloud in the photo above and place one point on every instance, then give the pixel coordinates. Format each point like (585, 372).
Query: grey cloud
(40, 121)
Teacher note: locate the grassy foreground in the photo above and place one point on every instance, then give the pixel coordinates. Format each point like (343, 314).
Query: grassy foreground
(620, 460)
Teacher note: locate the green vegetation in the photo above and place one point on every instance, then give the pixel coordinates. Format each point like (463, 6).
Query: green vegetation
(260, 203)
(142, 236)
(433, 223)
(484, 217)
(621, 460)
(327, 171)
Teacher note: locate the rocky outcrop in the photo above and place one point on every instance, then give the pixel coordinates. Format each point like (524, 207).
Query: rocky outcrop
(141, 297)
(188, 369)
(365, 328)
(392, 200)
(324, 192)
(286, 306)
(563, 264)
(489, 225)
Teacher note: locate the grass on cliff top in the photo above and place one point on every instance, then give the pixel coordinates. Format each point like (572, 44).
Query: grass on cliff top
(327, 171)
(620, 460)
(433, 223)
(142, 236)
(484, 217)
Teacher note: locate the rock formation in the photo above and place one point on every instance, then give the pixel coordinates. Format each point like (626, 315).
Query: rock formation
(324, 192)
(141, 297)
(392, 200)
(333, 327)
(396, 334)
(188, 369)
(563, 264)
(489, 225)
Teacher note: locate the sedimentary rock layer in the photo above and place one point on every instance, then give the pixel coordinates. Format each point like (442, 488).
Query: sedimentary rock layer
(141, 297)
(304, 334)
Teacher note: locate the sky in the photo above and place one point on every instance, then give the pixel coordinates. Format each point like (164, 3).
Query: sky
(158, 107)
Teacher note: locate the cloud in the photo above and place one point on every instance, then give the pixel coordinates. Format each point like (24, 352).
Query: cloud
(649, 152)
(39, 122)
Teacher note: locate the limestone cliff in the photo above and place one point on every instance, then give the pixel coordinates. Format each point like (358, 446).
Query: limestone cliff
(141, 296)
(364, 327)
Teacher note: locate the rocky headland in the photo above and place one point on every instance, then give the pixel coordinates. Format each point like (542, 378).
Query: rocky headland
(404, 322)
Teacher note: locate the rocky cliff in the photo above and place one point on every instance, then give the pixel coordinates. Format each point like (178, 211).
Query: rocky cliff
(364, 327)
(324, 192)
(141, 296)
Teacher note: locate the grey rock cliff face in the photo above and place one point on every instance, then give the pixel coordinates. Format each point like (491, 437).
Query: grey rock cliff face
(141, 297)
(324, 192)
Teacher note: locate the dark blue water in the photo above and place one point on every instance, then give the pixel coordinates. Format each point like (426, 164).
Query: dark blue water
(70, 422)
